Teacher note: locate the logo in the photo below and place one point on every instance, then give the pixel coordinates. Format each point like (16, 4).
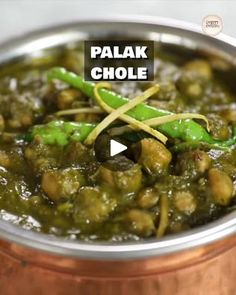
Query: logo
(212, 25)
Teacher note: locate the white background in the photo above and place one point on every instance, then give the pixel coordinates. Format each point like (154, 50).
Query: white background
(19, 16)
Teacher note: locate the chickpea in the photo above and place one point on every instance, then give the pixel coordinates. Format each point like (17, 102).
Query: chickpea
(61, 184)
(127, 181)
(193, 90)
(193, 163)
(229, 115)
(88, 118)
(219, 64)
(221, 186)
(27, 119)
(219, 127)
(42, 157)
(14, 123)
(155, 157)
(147, 198)
(190, 85)
(203, 161)
(66, 97)
(2, 123)
(7, 137)
(140, 222)
(92, 205)
(4, 159)
(76, 153)
(73, 60)
(185, 202)
(195, 75)
(201, 67)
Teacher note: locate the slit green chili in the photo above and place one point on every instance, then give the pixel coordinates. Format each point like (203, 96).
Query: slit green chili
(186, 130)
(59, 132)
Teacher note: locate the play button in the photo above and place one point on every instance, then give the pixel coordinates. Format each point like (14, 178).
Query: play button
(116, 147)
(115, 151)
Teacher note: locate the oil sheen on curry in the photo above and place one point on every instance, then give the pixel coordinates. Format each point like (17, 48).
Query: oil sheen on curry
(56, 173)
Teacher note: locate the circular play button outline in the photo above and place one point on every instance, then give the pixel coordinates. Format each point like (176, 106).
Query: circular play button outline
(116, 153)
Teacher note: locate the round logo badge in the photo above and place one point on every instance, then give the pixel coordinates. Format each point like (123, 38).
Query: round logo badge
(212, 25)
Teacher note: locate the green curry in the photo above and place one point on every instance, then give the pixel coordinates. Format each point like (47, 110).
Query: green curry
(56, 173)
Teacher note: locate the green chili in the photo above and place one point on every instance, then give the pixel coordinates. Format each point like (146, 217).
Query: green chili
(186, 130)
(60, 132)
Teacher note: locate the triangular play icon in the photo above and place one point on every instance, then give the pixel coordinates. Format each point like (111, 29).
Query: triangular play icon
(116, 147)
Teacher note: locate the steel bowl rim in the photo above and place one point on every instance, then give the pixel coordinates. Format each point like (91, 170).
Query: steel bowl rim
(141, 19)
(204, 235)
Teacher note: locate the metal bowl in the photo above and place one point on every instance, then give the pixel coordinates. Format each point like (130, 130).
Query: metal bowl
(97, 259)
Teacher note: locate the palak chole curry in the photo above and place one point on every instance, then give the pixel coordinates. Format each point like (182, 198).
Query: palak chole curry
(56, 172)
